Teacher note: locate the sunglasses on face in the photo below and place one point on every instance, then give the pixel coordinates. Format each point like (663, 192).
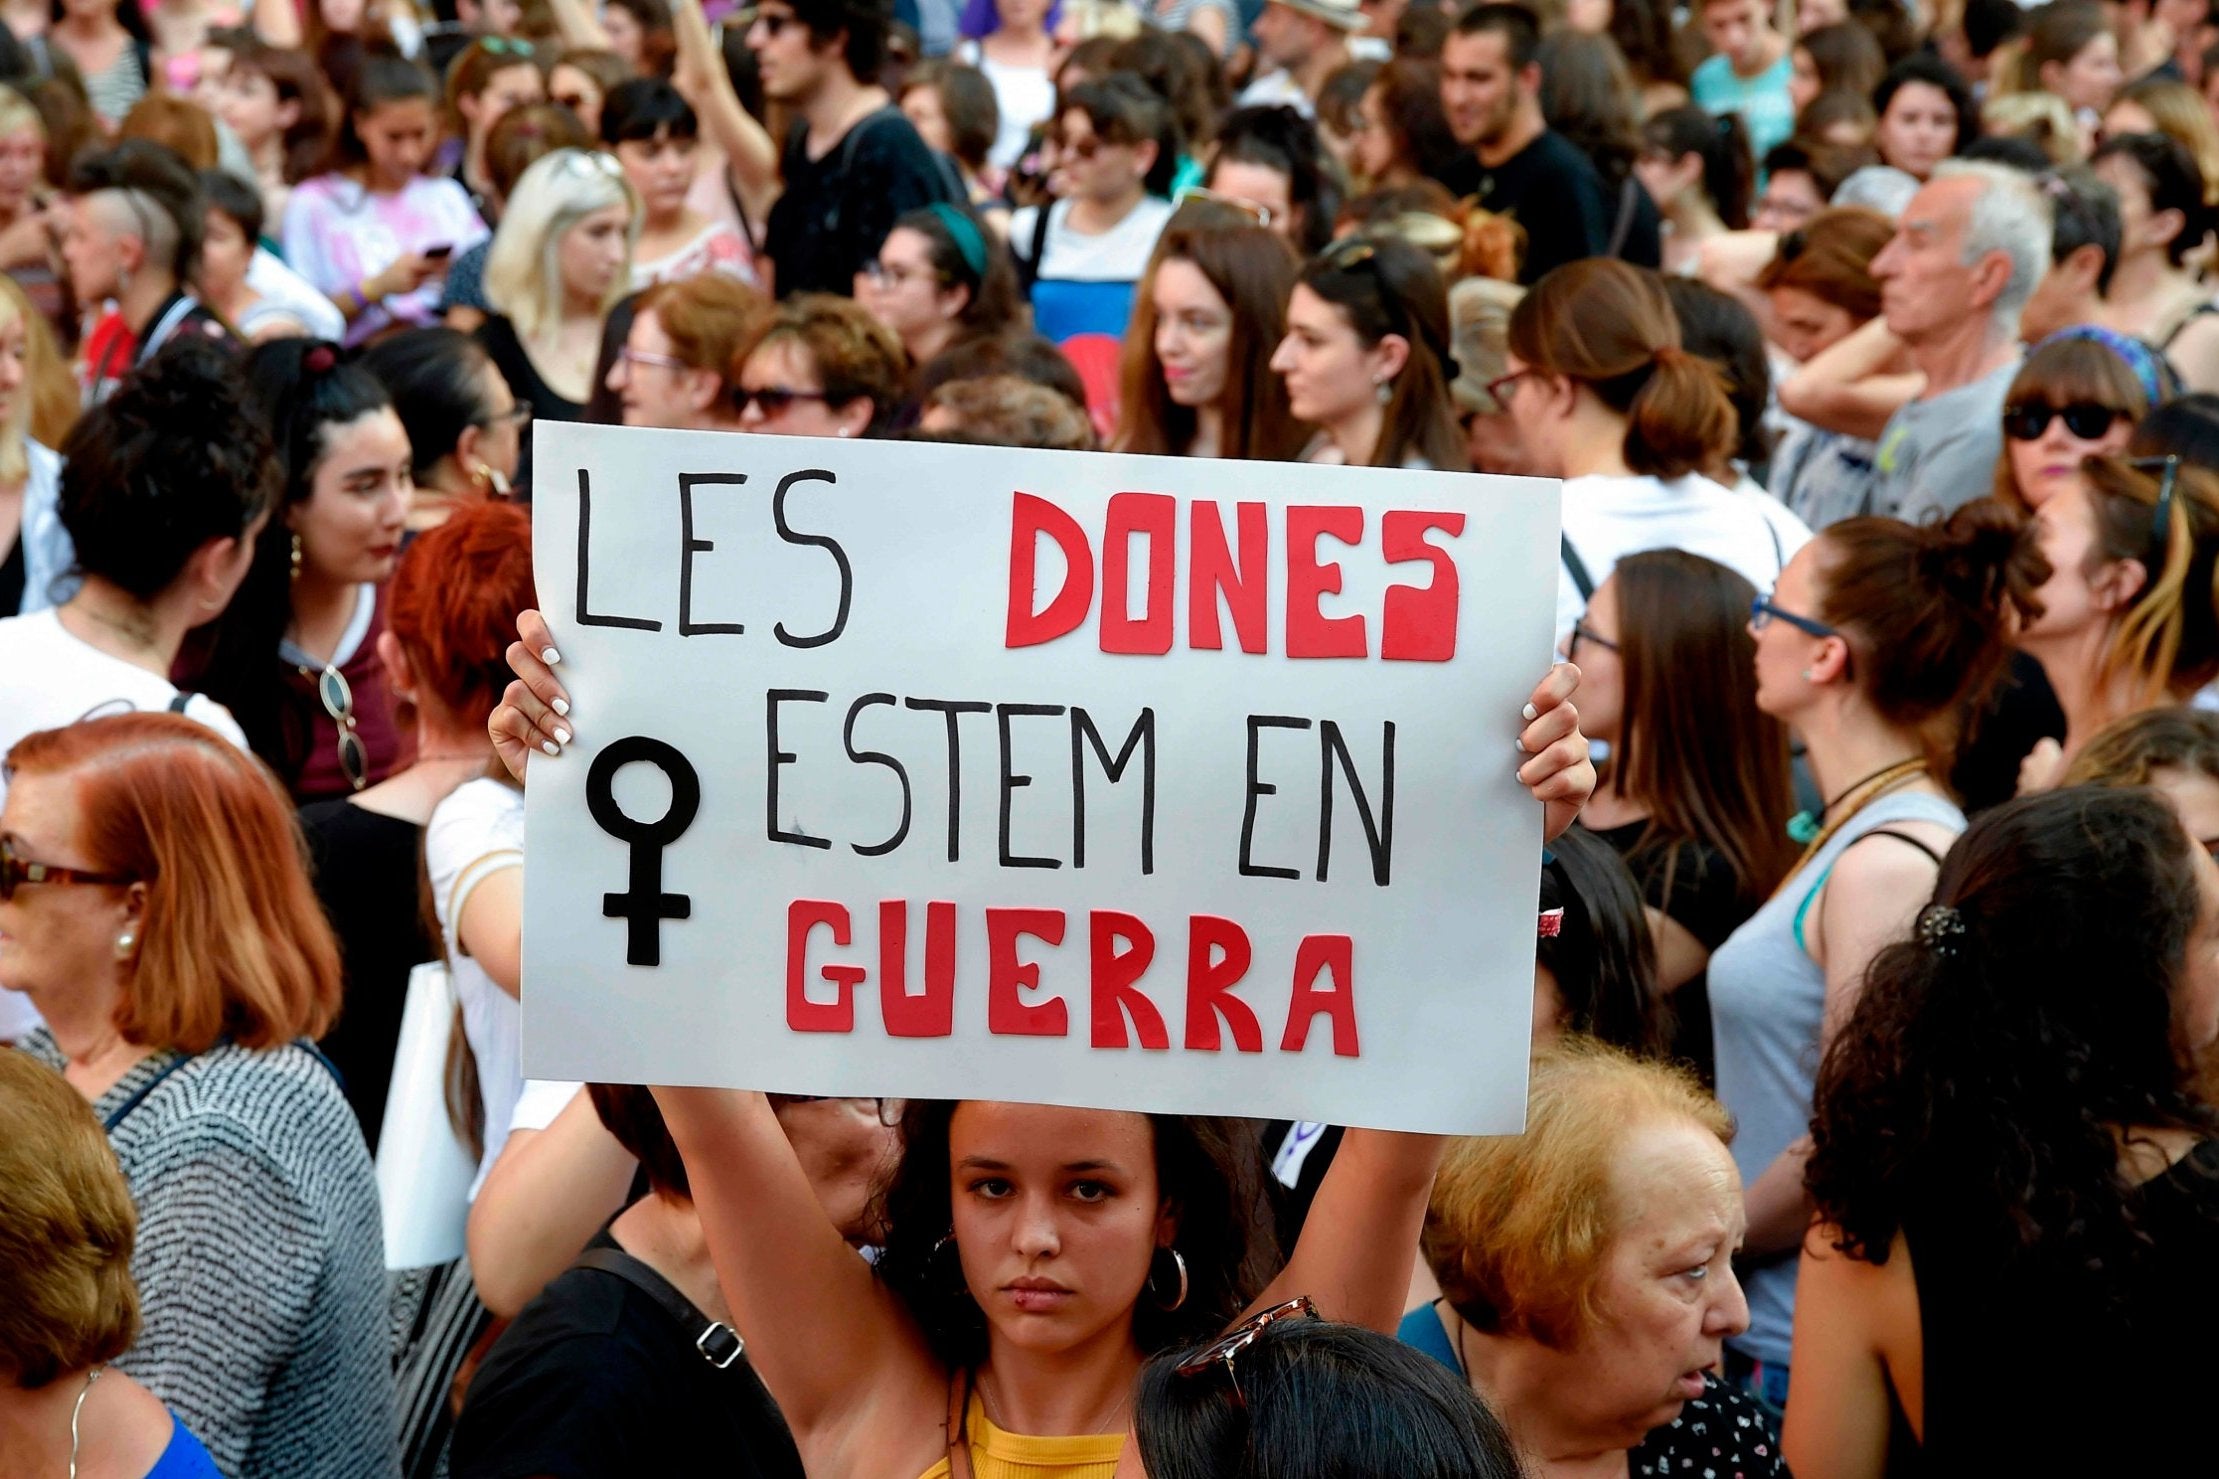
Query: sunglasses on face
(2029, 420)
(1241, 1337)
(337, 697)
(775, 399)
(16, 870)
(1085, 148)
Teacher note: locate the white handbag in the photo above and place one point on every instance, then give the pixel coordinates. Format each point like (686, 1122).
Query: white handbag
(424, 1168)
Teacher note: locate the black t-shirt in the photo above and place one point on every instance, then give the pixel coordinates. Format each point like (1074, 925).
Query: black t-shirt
(836, 211)
(367, 866)
(1692, 885)
(595, 1380)
(1555, 192)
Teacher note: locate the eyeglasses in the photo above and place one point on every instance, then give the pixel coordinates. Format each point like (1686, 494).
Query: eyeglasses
(1582, 632)
(1241, 1337)
(633, 356)
(337, 696)
(519, 413)
(2161, 517)
(1499, 388)
(574, 101)
(15, 871)
(1085, 148)
(775, 399)
(885, 275)
(1261, 215)
(2027, 421)
(1762, 611)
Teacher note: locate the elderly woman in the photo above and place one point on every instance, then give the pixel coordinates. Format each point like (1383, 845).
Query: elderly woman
(178, 963)
(67, 1306)
(824, 368)
(1587, 1279)
(683, 351)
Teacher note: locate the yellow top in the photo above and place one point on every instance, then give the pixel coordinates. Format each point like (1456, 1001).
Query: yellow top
(999, 1455)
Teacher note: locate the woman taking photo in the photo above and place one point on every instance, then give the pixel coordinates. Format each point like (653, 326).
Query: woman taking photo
(1877, 637)
(295, 656)
(1197, 379)
(2015, 1172)
(823, 367)
(1698, 170)
(2154, 294)
(939, 278)
(1402, 133)
(1596, 1353)
(178, 967)
(1696, 790)
(560, 262)
(1366, 357)
(465, 427)
(682, 356)
(375, 232)
(933, 1364)
(654, 134)
(2128, 616)
(1606, 398)
(1820, 288)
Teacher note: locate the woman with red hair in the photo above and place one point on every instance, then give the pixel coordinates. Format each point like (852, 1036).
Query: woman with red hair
(155, 907)
(450, 615)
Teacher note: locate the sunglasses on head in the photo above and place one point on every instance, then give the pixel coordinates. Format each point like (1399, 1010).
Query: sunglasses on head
(2161, 514)
(2028, 420)
(16, 870)
(1240, 1338)
(337, 697)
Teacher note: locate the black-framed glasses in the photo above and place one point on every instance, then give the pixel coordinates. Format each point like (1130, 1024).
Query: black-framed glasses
(2161, 516)
(17, 870)
(337, 696)
(1582, 632)
(776, 398)
(1762, 610)
(1240, 1338)
(2027, 421)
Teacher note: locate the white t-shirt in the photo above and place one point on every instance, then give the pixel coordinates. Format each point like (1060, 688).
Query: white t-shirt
(1609, 518)
(476, 832)
(1119, 254)
(49, 679)
(1023, 96)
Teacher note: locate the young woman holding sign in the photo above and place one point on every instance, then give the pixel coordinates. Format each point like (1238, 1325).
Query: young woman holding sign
(1035, 1257)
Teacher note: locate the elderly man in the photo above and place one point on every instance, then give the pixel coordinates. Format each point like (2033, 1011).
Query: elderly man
(1304, 42)
(1967, 255)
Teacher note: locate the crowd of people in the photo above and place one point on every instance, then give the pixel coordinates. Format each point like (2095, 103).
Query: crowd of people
(1875, 1075)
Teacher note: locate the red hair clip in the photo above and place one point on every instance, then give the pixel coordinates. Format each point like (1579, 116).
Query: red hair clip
(1550, 924)
(320, 360)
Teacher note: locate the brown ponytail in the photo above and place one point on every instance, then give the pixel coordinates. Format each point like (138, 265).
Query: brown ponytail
(1610, 327)
(1926, 608)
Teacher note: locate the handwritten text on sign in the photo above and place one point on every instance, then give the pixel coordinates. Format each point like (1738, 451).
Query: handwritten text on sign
(1134, 782)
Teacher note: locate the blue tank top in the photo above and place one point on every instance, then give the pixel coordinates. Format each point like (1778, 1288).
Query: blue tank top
(184, 1458)
(1767, 1003)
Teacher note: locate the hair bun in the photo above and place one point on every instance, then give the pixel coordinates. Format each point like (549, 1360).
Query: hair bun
(1980, 554)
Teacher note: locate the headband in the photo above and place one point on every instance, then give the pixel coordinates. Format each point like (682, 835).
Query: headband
(2155, 376)
(968, 242)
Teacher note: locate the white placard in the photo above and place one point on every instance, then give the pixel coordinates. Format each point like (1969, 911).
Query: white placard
(1221, 818)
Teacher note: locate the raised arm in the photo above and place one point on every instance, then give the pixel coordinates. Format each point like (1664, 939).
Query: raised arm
(546, 1194)
(1853, 387)
(700, 78)
(578, 26)
(833, 1344)
(1360, 1240)
(277, 22)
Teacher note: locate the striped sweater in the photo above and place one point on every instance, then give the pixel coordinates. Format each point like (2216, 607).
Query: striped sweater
(260, 1262)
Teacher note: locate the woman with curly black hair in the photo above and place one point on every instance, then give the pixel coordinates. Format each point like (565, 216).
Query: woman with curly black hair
(2017, 1184)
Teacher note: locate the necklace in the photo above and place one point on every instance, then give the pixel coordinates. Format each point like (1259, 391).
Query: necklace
(1803, 827)
(1893, 778)
(75, 1412)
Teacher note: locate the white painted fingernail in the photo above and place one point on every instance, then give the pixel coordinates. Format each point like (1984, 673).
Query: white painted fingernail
(549, 656)
(562, 707)
(551, 747)
(1522, 746)
(1530, 711)
(562, 736)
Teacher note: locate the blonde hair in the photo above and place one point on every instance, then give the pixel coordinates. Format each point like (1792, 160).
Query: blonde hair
(17, 112)
(2039, 117)
(523, 276)
(15, 427)
(1520, 1226)
(66, 1230)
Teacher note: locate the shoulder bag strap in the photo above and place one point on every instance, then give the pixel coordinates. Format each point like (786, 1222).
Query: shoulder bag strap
(719, 1344)
(1028, 267)
(1576, 568)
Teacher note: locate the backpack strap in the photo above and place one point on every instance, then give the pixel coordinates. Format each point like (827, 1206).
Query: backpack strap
(1028, 266)
(1576, 567)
